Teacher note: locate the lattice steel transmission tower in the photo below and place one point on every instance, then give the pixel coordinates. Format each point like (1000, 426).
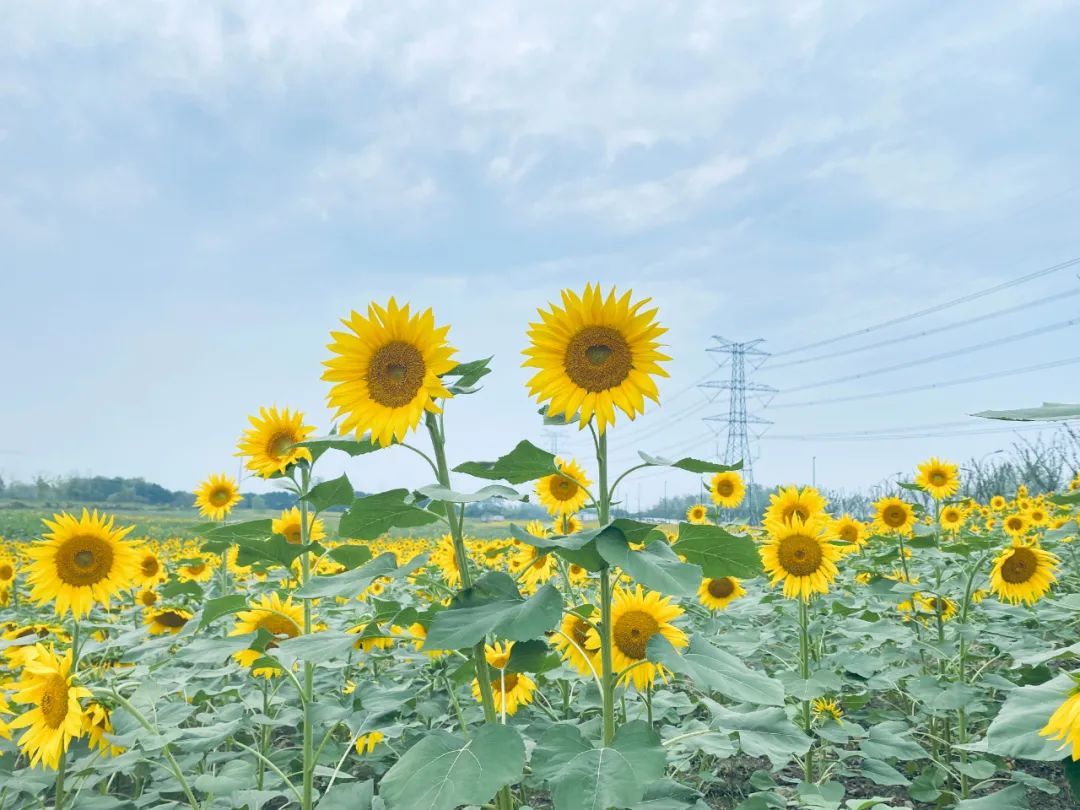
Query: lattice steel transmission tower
(736, 423)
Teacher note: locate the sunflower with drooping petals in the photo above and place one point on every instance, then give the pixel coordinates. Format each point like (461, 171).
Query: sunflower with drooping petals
(571, 641)
(217, 495)
(81, 562)
(97, 726)
(941, 479)
(727, 489)
(166, 621)
(799, 554)
(55, 717)
(1023, 573)
(718, 593)
(282, 619)
(511, 690)
(563, 492)
(893, 515)
(789, 502)
(1064, 723)
(636, 616)
(366, 743)
(290, 523)
(595, 354)
(827, 709)
(270, 444)
(196, 568)
(386, 371)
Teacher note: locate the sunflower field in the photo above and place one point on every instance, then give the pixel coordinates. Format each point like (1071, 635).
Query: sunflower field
(916, 659)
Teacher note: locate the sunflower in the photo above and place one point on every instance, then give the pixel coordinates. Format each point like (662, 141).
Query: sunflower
(97, 725)
(931, 604)
(56, 717)
(166, 620)
(951, 518)
(1064, 723)
(571, 641)
(698, 514)
(1037, 516)
(147, 597)
(727, 489)
(595, 354)
(563, 492)
(281, 619)
(998, 503)
(827, 709)
(270, 443)
(798, 555)
(7, 571)
(939, 478)
(80, 562)
(1074, 484)
(567, 524)
(717, 594)
(16, 654)
(510, 689)
(893, 516)
(150, 571)
(366, 743)
(537, 566)
(289, 523)
(419, 634)
(216, 496)
(196, 569)
(851, 531)
(789, 502)
(5, 709)
(386, 371)
(1015, 525)
(636, 616)
(1023, 573)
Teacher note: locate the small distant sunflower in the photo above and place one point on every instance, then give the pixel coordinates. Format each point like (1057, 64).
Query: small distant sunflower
(195, 569)
(637, 616)
(366, 743)
(80, 562)
(893, 516)
(56, 718)
(718, 593)
(269, 445)
(289, 523)
(1023, 573)
(1038, 516)
(147, 597)
(216, 496)
(280, 618)
(565, 493)
(940, 479)
(1064, 723)
(595, 354)
(150, 571)
(572, 643)
(930, 604)
(386, 371)
(537, 566)
(97, 725)
(850, 531)
(419, 634)
(7, 571)
(789, 502)
(799, 555)
(698, 514)
(1015, 525)
(166, 621)
(510, 689)
(567, 524)
(1074, 484)
(727, 489)
(827, 709)
(998, 503)
(951, 518)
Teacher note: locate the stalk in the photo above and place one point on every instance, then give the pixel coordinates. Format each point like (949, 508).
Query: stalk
(308, 791)
(61, 771)
(961, 713)
(804, 673)
(607, 674)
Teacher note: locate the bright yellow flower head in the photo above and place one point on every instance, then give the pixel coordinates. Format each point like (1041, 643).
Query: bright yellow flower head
(289, 523)
(717, 594)
(595, 354)
(893, 516)
(1064, 723)
(939, 478)
(511, 690)
(698, 514)
(799, 555)
(55, 716)
(1023, 573)
(791, 502)
(565, 492)
(269, 445)
(850, 531)
(637, 616)
(727, 489)
(166, 621)
(216, 496)
(280, 618)
(572, 643)
(952, 518)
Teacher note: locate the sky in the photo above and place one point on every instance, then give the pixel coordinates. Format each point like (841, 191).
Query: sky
(192, 195)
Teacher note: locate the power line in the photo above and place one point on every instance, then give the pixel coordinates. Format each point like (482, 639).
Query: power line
(937, 307)
(927, 332)
(812, 437)
(930, 386)
(936, 357)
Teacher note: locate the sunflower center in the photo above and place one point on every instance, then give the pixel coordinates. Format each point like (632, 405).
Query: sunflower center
(725, 489)
(170, 618)
(580, 632)
(849, 533)
(799, 555)
(1020, 567)
(196, 568)
(280, 444)
(219, 497)
(277, 625)
(292, 534)
(149, 566)
(1016, 524)
(84, 560)
(598, 358)
(894, 516)
(632, 632)
(395, 374)
(505, 682)
(937, 478)
(148, 598)
(563, 489)
(54, 701)
(721, 588)
(6, 571)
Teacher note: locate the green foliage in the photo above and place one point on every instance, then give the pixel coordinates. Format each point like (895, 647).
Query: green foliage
(526, 462)
(494, 606)
(374, 515)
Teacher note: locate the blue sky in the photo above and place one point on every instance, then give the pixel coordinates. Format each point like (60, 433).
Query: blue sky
(191, 197)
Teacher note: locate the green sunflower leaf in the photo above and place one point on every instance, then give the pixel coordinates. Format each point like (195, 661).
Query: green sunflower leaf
(717, 670)
(579, 549)
(693, 465)
(468, 375)
(221, 537)
(350, 555)
(222, 606)
(444, 494)
(1049, 412)
(524, 463)
(1014, 732)
(717, 551)
(443, 772)
(337, 492)
(352, 583)
(656, 566)
(370, 517)
(351, 447)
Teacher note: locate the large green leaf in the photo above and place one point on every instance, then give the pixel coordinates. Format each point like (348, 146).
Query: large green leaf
(583, 778)
(718, 552)
(221, 537)
(222, 606)
(656, 566)
(370, 517)
(447, 495)
(717, 670)
(524, 463)
(352, 583)
(1013, 797)
(494, 606)
(349, 796)
(890, 740)
(337, 492)
(353, 447)
(1049, 412)
(1015, 730)
(764, 732)
(351, 554)
(318, 648)
(444, 772)
(693, 465)
(579, 548)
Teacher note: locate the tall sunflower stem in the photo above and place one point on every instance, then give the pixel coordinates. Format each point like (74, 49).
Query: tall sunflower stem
(804, 673)
(61, 770)
(607, 675)
(307, 800)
